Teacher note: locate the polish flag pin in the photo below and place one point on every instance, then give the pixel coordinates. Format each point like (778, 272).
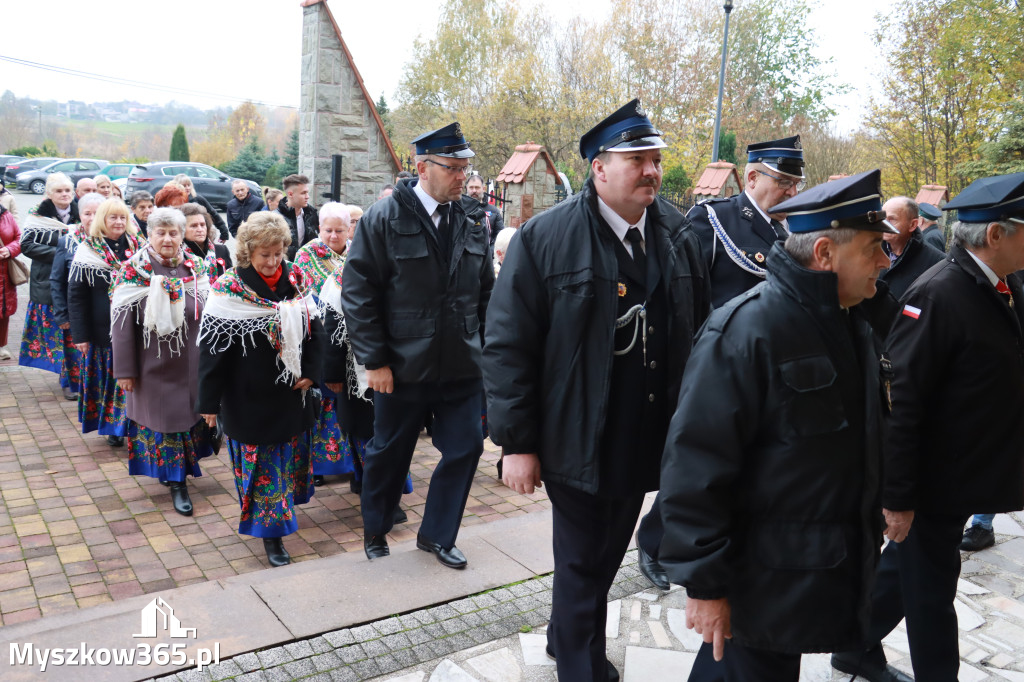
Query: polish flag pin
(911, 311)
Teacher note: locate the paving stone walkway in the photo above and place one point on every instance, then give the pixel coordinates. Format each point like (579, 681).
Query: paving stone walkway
(498, 636)
(76, 530)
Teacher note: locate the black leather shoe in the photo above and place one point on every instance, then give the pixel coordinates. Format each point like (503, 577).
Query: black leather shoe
(864, 666)
(376, 547)
(318, 481)
(355, 486)
(451, 557)
(179, 497)
(115, 441)
(277, 555)
(400, 516)
(651, 569)
(68, 393)
(976, 538)
(613, 674)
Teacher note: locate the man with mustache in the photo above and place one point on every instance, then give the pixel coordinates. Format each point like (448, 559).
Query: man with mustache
(588, 332)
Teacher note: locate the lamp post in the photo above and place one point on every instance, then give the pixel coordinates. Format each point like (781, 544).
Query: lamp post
(721, 82)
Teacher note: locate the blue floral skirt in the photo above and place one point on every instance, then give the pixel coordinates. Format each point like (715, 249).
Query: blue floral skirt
(43, 343)
(332, 455)
(71, 368)
(271, 480)
(101, 400)
(167, 456)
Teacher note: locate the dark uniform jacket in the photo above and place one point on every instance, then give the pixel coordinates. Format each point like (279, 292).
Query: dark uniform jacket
(40, 247)
(242, 385)
(955, 442)
(883, 308)
(407, 305)
(750, 232)
(934, 237)
(486, 213)
(239, 211)
(549, 360)
(310, 221)
(770, 482)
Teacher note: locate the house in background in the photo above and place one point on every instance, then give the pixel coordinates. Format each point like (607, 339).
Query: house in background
(529, 187)
(719, 179)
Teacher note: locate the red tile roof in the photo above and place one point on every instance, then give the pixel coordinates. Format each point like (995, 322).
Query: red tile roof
(837, 177)
(522, 159)
(935, 195)
(715, 177)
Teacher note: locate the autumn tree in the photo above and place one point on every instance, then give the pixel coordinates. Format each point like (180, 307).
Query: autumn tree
(179, 145)
(246, 123)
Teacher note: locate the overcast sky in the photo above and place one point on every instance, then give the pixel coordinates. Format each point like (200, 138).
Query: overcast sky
(237, 50)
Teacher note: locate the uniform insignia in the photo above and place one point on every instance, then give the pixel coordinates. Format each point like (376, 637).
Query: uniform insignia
(640, 109)
(747, 212)
(911, 311)
(759, 257)
(458, 130)
(796, 143)
(622, 289)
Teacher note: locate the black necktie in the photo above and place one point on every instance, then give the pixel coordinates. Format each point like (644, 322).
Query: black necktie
(443, 233)
(780, 231)
(639, 258)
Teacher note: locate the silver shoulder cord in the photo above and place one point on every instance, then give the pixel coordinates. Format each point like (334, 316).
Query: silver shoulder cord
(638, 316)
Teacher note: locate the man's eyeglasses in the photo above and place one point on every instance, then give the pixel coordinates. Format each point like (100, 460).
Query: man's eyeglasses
(454, 170)
(785, 183)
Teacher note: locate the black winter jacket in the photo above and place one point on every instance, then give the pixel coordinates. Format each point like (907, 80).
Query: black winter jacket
(41, 248)
(310, 221)
(239, 211)
(956, 435)
(548, 356)
(60, 272)
(405, 305)
(89, 302)
(218, 222)
(771, 475)
(485, 213)
(241, 384)
(916, 258)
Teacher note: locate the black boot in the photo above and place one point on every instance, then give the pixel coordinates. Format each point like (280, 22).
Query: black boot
(115, 441)
(179, 497)
(400, 516)
(277, 555)
(356, 486)
(318, 481)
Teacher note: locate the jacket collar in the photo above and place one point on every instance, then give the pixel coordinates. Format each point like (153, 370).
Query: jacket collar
(757, 222)
(811, 288)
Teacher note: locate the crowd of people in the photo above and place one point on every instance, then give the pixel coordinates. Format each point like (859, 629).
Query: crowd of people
(799, 375)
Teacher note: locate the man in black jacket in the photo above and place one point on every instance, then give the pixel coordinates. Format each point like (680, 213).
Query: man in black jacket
(475, 202)
(589, 329)
(929, 226)
(776, 543)
(909, 255)
(242, 206)
(955, 436)
(417, 282)
(300, 216)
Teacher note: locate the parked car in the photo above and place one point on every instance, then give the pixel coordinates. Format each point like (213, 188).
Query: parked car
(6, 159)
(13, 168)
(115, 171)
(75, 169)
(209, 182)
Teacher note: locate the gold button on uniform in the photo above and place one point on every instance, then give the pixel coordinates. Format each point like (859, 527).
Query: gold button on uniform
(654, 365)
(650, 398)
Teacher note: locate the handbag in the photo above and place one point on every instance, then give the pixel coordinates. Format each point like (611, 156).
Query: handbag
(17, 271)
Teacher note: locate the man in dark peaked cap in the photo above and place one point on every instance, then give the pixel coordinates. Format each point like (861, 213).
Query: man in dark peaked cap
(588, 332)
(736, 235)
(417, 281)
(775, 543)
(930, 230)
(955, 439)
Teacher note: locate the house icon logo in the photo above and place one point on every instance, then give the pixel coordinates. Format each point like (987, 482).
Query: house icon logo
(158, 615)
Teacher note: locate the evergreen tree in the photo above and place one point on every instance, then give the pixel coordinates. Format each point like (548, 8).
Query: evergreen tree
(179, 145)
(290, 162)
(727, 147)
(385, 115)
(251, 163)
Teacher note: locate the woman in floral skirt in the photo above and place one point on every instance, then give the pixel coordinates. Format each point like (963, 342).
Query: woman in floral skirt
(261, 345)
(97, 260)
(157, 302)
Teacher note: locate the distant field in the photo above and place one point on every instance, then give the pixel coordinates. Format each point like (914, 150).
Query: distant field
(118, 129)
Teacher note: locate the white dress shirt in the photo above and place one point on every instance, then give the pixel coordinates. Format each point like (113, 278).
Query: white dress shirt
(430, 204)
(620, 226)
(989, 272)
(767, 218)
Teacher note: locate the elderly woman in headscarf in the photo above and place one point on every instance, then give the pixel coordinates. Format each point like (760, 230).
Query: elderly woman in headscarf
(261, 347)
(110, 242)
(196, 198)
(44, 343)
(60, 272)
(158, 299)
(199, 236)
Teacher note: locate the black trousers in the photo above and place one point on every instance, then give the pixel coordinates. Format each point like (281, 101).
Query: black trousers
(651, 530)
(743, 664)
(398, 419)
(917, 578)
(590, 537)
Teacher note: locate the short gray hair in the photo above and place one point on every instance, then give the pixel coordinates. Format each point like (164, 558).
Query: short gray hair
(975, 235)
(140, 195)
(800, 245)
(334, 209)
(90, 199)
(166, 217)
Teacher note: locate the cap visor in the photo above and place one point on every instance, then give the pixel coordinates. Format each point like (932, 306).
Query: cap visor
(639, 144)
(461, 154)
(790, 171)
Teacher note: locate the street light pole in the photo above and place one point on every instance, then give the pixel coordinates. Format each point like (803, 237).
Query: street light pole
(721, 82)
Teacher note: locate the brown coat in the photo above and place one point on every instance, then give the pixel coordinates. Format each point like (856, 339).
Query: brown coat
(166, 387)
